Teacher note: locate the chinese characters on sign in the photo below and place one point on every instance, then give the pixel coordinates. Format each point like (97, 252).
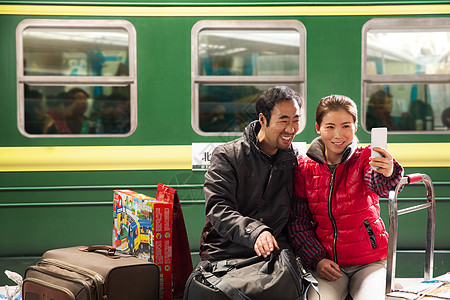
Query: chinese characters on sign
(201, 153)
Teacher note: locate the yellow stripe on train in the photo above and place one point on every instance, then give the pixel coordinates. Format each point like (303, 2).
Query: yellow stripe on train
(87, 158)
(241, 11)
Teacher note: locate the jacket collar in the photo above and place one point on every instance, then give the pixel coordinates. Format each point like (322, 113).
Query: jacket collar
(317, 149)
(251, 136)
(251, 133)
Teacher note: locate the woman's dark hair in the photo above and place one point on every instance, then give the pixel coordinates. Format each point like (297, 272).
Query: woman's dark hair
(335, 103)
(71, 93)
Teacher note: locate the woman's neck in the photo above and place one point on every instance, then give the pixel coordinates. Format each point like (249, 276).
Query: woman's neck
(332, 159)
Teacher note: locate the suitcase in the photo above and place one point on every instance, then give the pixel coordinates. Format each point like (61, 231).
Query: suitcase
(94, 273)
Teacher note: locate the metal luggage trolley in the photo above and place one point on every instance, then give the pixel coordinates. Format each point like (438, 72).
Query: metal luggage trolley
(430, 205)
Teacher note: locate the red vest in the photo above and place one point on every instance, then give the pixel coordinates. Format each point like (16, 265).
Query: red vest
(346, 211)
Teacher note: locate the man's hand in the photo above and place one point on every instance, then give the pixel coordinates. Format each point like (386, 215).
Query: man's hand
(265, 244)
(328, 270)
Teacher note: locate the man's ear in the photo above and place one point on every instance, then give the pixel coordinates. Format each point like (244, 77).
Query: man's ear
(262, 119)
(317, 128)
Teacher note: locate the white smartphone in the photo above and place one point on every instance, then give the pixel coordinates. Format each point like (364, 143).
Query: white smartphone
(378, 139)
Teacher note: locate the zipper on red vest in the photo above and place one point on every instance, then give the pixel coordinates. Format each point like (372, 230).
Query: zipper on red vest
(330, 214)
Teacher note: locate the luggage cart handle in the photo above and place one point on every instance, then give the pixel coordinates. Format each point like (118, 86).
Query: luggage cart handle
(416, 177)
(413, 178)
(394, 212)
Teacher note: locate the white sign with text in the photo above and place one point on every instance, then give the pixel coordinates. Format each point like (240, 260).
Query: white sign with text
(201, 153)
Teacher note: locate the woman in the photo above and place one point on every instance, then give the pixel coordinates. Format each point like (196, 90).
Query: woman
(379, 111)
(335, 225)
(60, 109)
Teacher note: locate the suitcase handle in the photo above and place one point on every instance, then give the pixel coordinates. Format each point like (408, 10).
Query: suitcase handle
(109, 250)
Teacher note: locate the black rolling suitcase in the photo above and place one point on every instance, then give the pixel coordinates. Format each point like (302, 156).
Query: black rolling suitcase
(90, 273)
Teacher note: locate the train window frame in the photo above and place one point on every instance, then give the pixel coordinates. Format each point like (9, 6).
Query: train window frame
(396, 24)
(298, 81)
(80, 80)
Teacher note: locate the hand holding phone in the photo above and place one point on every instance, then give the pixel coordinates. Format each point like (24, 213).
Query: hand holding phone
(378, 139)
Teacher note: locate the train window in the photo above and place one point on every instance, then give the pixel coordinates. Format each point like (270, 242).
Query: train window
(405, 71)
(76, 78)
(233, 61)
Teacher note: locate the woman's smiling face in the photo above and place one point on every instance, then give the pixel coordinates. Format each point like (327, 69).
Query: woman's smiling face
(337, 130)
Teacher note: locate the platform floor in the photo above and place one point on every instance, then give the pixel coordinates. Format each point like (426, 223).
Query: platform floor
(399, 282)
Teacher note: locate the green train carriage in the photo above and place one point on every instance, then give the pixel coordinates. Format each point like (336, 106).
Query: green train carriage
(56, 188)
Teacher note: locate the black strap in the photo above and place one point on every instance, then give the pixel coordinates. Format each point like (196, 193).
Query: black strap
(306, 276)
(188, 284)
(250, 261)
(226, 288)
(312, 283)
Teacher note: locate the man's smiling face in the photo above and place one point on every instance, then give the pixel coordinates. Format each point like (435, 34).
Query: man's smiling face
(283, 126)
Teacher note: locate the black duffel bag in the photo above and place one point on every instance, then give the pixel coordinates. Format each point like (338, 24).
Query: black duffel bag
(279, 276)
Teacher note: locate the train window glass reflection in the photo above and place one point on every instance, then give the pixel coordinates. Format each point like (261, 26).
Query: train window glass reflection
(248, 52)
(74, 51)
(228, 108)
(405, 74)
(233, 61)
(77, 110)
(76, 78)
(398, 113)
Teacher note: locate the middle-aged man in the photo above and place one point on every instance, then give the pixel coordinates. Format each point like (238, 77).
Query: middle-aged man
(248, 186)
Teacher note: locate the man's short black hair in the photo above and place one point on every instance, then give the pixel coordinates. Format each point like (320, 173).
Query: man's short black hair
(270, 97)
